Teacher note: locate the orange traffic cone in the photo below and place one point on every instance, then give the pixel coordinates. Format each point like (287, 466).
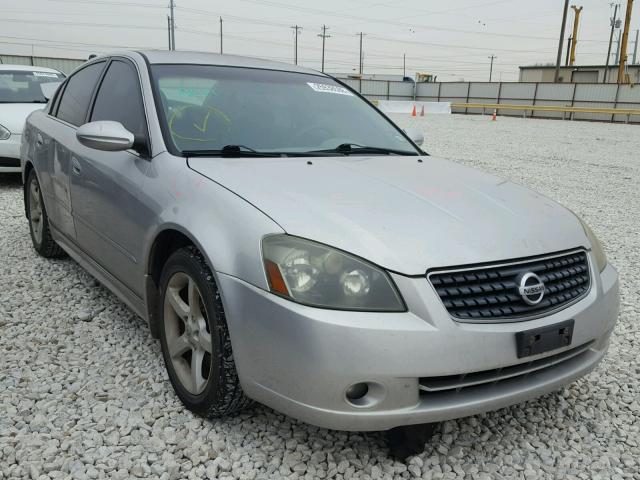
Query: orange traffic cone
(495, 113)
(422, 111)
(413, 113)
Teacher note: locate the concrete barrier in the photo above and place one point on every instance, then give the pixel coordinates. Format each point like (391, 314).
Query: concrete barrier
(429, 108)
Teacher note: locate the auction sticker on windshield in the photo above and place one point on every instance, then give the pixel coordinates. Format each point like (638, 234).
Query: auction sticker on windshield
(45, 74)
(326, 88)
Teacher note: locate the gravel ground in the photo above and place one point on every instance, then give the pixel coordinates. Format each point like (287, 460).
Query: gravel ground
(84, 394)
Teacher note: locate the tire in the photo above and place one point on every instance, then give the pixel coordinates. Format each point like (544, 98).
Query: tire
(41, 237)
(191, 313)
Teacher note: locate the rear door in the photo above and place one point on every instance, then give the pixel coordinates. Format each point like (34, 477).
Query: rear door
(56, 142)
(107, 188)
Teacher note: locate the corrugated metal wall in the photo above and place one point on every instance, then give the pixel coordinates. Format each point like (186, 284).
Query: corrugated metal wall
(594, 95)
(64, 65)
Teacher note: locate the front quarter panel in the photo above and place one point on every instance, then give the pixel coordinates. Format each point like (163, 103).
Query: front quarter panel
(226, 228)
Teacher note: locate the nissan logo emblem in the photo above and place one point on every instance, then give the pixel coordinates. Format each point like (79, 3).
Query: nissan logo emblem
(531, 288)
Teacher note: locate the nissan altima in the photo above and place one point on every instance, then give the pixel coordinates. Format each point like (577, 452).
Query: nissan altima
(289, 244)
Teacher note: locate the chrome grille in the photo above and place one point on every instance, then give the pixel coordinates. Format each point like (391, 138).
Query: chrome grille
(489, 293)
(459, 382)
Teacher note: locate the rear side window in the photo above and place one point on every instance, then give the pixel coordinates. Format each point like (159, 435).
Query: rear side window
(77, 94)
(119, 98)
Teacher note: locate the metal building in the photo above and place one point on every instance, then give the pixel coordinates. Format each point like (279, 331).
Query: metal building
(64, 65)
(577, 73)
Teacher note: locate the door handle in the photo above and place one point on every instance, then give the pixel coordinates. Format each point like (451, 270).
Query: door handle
(39, 140)
(75, 166)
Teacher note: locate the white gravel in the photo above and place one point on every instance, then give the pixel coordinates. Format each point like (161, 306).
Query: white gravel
(84, 394)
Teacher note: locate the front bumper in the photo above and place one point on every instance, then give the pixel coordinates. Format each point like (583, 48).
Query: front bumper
(10, 154)
(300, 360)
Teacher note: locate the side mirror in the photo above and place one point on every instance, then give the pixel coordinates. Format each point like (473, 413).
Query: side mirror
(105, 135)
(415, 135)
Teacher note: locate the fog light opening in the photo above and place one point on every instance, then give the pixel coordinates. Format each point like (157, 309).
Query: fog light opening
(365, 394)
(357, 391)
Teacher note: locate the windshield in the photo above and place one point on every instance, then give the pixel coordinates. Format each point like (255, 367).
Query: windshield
(205, 108)
(22, 86)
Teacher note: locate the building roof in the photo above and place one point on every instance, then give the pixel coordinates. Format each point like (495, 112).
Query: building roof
(575, 67)
(203, 58)
(26, 68)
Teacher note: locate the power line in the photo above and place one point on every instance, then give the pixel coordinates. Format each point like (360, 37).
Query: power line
(390, 22)
(107, 2)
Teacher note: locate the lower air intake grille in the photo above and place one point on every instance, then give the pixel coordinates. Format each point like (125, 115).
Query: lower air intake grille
(460, 382)
(493, 292)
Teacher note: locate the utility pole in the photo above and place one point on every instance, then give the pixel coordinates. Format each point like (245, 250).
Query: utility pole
(613, 27)
(295, 44)
(566, 61)
(635, 48)
(169, 30)
(324, 38)
(173, 25)
(561, 42)
(361, 56)
(220, 35)
(618, 47)
(576, 22)
(404, 65)
(625, 42)
(492, 57)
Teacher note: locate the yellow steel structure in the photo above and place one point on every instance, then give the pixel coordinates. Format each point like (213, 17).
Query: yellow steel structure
(574, 41)
(625, 41)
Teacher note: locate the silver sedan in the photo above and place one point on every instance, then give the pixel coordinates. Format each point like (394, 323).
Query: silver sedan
(289, 244)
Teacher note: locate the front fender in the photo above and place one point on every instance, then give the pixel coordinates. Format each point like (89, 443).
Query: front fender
(226, 228)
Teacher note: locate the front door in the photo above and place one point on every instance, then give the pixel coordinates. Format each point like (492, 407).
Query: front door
(107, 188)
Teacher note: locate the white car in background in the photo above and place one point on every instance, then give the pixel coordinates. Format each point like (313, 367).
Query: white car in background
(23, 89)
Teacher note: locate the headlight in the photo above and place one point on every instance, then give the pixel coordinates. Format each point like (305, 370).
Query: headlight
(4, 133)
(596, 246)
(314, 274)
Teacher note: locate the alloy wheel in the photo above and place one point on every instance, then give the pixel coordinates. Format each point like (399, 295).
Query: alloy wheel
(35, 210)
(187, 332)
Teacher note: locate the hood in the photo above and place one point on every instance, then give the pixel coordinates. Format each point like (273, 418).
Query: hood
(401, 214)
(13, 115)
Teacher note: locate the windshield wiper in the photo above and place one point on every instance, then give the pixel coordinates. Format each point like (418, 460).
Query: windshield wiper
(230, 151)
(355, 148)
(237, 151)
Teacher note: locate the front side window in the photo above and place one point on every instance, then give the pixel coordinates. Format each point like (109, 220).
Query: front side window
(205, 108)
(119, 98)
(77, 94)
(18, 86)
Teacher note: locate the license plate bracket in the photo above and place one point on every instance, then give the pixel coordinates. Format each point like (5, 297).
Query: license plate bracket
(544, 339)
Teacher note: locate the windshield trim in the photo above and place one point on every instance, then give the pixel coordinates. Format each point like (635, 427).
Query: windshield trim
(162, 121)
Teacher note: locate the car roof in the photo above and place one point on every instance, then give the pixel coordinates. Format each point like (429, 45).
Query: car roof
(204, 58)
(26, 68)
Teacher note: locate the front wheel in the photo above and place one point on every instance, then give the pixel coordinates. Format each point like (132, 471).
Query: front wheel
(195, 339)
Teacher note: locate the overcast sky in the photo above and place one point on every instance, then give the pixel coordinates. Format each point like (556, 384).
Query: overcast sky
(451, 39)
